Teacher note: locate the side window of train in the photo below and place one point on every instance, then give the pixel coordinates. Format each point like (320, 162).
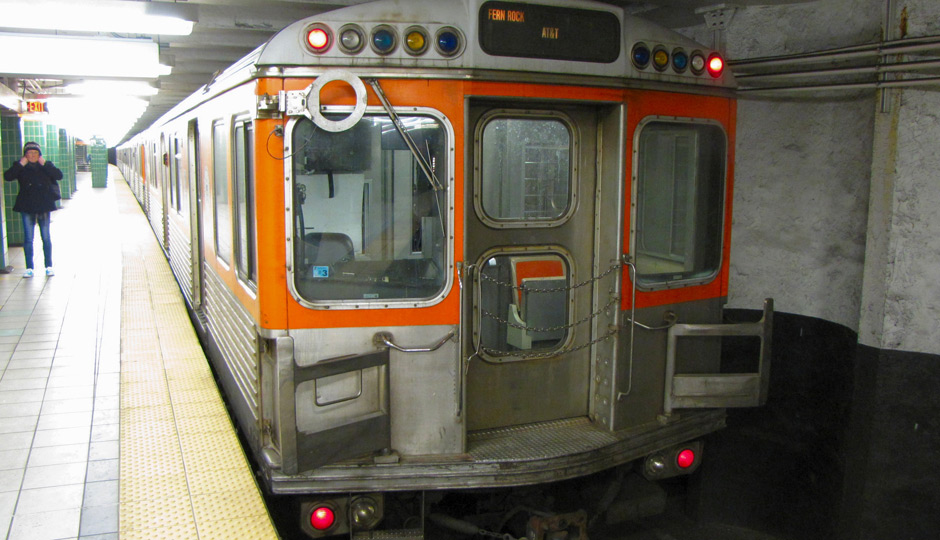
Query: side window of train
(370, 224)
(222, 208)
(679, 202)
(525, 162)
(243, 191)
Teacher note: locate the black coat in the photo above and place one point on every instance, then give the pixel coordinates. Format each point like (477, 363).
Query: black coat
(36, 185)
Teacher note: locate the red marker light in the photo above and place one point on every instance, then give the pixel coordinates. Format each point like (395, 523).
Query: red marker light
(715, 65)
(318, 39)
(685, 458)
(322, 518)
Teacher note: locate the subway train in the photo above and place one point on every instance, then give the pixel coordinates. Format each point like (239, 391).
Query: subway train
(471, 246)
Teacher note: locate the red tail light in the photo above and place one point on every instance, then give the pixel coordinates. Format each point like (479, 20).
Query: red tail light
(322, 518)
(685, 458)
(715, 65)
(319, 38)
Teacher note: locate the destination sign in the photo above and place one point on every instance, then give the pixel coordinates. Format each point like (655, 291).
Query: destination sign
(549, 32)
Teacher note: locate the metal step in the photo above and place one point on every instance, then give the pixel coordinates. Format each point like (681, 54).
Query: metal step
(401, 534)
(544, 440)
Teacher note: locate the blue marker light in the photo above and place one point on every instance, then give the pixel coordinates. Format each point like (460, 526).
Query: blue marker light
(680, 61)
(448, 42)
(641, 55)
(383, 41)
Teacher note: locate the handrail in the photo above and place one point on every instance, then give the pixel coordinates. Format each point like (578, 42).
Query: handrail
(385, 338)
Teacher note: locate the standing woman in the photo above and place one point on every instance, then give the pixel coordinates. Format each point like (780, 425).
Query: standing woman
(39, 190)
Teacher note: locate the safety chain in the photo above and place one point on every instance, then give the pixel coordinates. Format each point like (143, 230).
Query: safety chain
(515, 287)
(549, 354)
(497, 318)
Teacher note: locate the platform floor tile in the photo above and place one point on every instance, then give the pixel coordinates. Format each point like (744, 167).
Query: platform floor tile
(111, 426)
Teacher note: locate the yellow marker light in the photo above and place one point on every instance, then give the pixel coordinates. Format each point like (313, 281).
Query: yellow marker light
(660, 59)
(415, 41)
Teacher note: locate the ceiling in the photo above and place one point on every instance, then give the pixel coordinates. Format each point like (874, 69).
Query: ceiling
(226, 30)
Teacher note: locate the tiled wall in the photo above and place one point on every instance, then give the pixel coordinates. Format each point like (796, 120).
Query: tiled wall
(50, 150)
(67, 165)
(6, 159)
(99, 165)
(12, 129)
(73, 180)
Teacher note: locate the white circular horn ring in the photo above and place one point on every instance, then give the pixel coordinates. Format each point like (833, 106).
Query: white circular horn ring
(313, 101)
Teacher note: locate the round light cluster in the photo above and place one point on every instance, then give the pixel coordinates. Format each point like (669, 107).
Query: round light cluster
(678, 60)
(383, 40)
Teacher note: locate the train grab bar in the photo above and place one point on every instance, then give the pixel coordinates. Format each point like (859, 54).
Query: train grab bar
(385, 339)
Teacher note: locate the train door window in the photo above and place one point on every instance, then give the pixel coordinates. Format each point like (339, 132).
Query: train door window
(169, 166)
(370, 224)
(154, 160)
(680, 186)
(183, 176)
(523, 303)
(526, 171)
(222, 207)
(175, 158)
(243, 191)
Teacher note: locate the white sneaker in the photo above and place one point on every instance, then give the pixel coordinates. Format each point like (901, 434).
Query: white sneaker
(50, 271)
(28, 273)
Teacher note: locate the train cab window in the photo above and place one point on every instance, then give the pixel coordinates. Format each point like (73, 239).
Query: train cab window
(679, 203)
(523, 304)
(525, 165)
(222, 207)
(243, 191)
(370, 224)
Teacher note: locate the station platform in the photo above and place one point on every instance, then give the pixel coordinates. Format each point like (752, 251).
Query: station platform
(111, 424)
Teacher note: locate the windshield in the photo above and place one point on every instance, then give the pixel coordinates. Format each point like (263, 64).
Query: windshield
(368, 220)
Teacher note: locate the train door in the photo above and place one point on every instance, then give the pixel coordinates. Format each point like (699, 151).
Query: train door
(530, 241)
(166, 172)
(195, 209)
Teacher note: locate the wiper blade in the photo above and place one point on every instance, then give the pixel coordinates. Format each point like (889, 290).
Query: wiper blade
(400, 127)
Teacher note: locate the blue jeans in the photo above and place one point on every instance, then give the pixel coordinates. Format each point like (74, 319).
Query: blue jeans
(29, 229)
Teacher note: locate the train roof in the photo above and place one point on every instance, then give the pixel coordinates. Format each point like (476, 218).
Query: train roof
(552, 37)
(549, 40)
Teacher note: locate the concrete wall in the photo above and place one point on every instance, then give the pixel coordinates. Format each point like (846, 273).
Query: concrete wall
(836, 216)
(802, 170)
(833, 196)
(902, 282)
(800, 206)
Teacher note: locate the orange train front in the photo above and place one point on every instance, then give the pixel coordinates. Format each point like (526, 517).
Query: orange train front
(465, 244)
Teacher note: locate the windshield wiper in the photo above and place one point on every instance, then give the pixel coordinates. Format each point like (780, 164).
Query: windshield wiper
(396, 121)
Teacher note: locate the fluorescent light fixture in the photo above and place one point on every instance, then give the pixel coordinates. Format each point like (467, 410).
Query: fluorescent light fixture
(96, 116)
(121, 17)
(57, 56)
(111, 88)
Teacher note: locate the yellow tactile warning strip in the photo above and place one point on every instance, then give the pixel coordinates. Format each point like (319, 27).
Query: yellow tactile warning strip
(183, 474)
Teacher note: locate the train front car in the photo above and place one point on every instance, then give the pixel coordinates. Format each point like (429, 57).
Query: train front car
(493, 243)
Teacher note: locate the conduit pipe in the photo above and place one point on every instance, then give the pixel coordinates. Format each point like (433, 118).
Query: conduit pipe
(872, 59)
(903, 83)
(870, 50)
(859, 70)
